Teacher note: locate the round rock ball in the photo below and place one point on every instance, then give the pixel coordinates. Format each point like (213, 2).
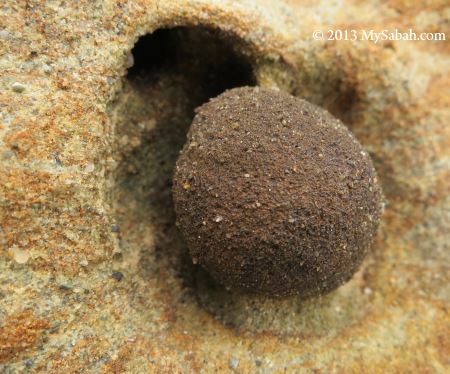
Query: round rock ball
(274, 195)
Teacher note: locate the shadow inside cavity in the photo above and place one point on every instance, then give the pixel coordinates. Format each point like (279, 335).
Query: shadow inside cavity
(206, 60)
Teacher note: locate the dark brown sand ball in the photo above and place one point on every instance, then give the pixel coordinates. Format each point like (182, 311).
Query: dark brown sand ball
(274, 195)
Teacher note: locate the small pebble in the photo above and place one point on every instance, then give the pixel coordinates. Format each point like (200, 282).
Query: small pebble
(117, 275)
(130, 60)
(47, 69)
(6, 155)
(89, 168)
(233, 363)
(18, 87)
(54, 329)
(84, 263)
(20, 256)
(5, 35)
(57, 159)
(367, 291)
(115, 228)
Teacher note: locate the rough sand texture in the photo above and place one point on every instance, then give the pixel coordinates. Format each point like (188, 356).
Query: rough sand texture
(274, 195)
(93, 274)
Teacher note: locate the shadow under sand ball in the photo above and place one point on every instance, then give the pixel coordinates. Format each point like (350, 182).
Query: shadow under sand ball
(275, 196)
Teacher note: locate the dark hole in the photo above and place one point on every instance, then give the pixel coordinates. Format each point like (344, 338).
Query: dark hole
(151, 52)
(207, 57)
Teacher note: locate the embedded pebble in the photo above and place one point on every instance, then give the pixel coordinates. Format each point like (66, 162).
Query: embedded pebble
(233, 363)
(19, 255)
(18, 87)
(117, 275)
(89, 168)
